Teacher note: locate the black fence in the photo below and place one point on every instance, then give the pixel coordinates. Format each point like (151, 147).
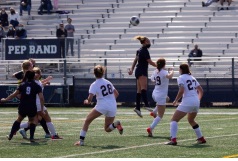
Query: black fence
(215, 90)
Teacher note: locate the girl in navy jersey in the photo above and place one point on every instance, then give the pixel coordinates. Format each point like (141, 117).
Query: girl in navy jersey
(141, 62)
(191, 93)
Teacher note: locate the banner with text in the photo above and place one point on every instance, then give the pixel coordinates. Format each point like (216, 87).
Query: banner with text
(18, 49)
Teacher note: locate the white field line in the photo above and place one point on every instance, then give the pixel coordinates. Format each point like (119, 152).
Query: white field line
(134, 147)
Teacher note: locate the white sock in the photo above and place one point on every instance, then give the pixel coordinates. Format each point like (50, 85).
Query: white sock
(83, 133)
(51, 128)
(155, 122)
(111, 127)
(24, 125)
(198, 132)
(173, 129)
(155, 110)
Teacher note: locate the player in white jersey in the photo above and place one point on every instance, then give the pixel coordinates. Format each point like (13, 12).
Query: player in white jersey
(106, 95)
(45, 114)
(191, 93)
(161, 78)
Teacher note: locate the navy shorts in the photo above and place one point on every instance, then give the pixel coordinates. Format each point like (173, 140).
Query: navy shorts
(141, 72)
(30, 112)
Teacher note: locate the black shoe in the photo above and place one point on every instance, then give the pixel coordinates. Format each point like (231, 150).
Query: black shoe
(9, 137)
(227, 8)
(203, 4)
(221, 9)
(40, 13)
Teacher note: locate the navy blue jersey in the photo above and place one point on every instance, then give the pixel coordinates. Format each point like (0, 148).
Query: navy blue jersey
(28, 91)
(142, 65)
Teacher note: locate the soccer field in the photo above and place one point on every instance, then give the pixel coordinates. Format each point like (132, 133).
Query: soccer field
(219, 127)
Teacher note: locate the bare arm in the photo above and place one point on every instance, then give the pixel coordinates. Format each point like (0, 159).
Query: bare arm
(151, 62)
(89, 99)
(171, 73)
(10, 97)
(46, 80)
(179, 95)
(133, 66)
(200, 92)
(116, 94)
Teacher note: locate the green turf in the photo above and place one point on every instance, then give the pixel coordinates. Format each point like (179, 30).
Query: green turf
(219, 126)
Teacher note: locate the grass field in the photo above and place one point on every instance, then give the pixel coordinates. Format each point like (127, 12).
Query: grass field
(219, 126)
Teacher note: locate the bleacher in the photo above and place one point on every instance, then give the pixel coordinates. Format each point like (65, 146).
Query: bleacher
(173, 26)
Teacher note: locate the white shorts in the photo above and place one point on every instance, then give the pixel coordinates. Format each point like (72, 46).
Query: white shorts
(108, 110)
(189, 105)
(39, 107)
(159, 99)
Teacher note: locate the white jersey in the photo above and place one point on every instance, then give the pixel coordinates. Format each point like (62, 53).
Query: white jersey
(38, 104)
(104, 91)
(190, 85)
(161, 82)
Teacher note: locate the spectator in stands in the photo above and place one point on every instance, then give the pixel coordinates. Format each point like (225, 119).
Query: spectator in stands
(222, 2)
(46, 5)
(14, 18)
(196, 52)
(2, 33)
(70, 36)
(56, 4)
(20, 32)
(4, 18)
(208, 3)
(61, 33)
(25, 5)
(11, 32)
(142, 60)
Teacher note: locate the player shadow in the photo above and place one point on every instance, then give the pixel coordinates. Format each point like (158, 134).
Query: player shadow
(197, 146)
(41, 141)
(108, 147)
(157, 137)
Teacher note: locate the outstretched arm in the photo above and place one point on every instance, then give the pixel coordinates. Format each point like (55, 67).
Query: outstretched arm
(10, 97)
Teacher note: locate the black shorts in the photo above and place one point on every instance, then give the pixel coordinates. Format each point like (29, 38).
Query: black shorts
(141, 72)
(30, 112)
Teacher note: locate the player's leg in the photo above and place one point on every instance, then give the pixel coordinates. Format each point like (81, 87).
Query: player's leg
(191, 119)
(91, 116)
(174, 126)
(15, 126)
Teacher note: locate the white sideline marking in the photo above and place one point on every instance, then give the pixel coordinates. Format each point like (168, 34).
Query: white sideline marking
(140, 146)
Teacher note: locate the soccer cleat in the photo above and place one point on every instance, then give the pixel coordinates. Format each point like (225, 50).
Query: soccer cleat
(172, 142)
(117, 124)
(148, 108)
(9, 137)
(79, 143)
(47, 136)
(138, 112)
(201, 140)
(23, 134)
(56, 137)
(32, 140)
(153, 114)
(149, 132)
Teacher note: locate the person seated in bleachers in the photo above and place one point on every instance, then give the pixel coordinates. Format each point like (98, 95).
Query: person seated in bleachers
(20, 32)
(45, 5)
(222, 2)
(3, 18)
(14, 18)
(196, 52)
(11, 32)
(25, 5)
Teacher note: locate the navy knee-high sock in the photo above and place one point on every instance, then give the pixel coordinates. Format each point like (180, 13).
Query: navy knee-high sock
(15, 128)
(32, 130)
(44, 126)
(138, 97)
(144, 97)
